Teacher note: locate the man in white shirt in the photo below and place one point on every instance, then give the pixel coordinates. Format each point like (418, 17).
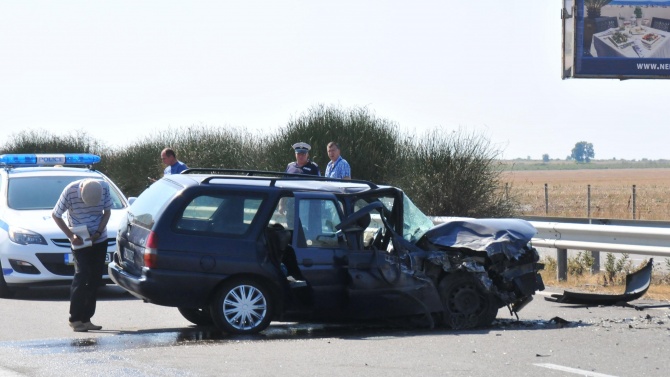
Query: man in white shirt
(88, 203)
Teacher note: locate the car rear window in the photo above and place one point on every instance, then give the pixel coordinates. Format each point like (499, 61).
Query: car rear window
(146, 207)
(220, 214)
(42, 192)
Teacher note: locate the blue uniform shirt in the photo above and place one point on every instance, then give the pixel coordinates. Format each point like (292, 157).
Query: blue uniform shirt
(310, 168)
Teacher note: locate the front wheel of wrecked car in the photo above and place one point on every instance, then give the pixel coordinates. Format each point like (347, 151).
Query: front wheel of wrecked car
(242, 307)
(466, 304)
(200, 317)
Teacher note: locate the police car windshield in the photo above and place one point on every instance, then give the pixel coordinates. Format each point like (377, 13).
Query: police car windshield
(41, 193)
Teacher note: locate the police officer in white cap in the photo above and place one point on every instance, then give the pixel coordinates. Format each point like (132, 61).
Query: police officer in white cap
(302, 164)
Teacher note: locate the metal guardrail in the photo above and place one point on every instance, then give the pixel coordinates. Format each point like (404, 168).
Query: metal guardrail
(609, 238)
(597, 221)
(644, 238)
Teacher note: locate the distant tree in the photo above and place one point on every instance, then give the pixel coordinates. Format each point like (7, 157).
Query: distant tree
(582, 152)
(545, 158)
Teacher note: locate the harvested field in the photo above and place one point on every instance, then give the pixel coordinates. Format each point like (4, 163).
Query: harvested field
(611, 193)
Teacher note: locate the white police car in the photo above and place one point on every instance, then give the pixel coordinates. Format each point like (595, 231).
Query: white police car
(33, 250)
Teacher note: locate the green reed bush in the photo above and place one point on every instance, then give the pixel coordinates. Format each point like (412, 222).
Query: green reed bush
(207, 147)
(617, 269)
(42, 141)
(580, 264)
(367, 142)
(130, 167)
(550, 264)
(453, 174)
(197, 146)
(445, 174)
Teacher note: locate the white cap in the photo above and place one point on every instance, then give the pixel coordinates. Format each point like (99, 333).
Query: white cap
(91, 192)
(301, 147)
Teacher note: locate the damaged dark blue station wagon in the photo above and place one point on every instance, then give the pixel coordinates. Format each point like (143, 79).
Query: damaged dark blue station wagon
(238, 249)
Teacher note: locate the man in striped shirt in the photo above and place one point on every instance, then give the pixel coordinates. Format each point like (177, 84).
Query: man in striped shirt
(88, 203)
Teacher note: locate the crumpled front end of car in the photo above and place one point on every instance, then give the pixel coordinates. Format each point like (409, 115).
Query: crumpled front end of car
(495, 251)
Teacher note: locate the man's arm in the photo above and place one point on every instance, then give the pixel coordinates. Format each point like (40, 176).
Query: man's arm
(103, 224)
(74, 239)
(346, 170)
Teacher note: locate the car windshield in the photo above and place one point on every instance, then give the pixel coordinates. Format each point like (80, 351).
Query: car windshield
(416, 223)
(41, 193)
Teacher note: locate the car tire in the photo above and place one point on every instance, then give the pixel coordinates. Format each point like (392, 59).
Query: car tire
(5, 292)
(466, 303)
(200, 317)
(242, 306)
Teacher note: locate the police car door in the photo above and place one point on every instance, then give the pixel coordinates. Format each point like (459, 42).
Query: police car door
(320, 255)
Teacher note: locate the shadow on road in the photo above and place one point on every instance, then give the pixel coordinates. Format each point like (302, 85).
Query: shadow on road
(115, 340)
(62, 293)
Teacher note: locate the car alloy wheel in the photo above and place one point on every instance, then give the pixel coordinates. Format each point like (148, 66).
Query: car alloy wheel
(242, 307)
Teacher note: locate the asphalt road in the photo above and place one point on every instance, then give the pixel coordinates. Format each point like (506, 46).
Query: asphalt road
(138, 339)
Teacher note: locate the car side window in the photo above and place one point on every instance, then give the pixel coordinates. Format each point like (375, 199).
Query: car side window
(230, 214)
(318, 218)
(283, 213)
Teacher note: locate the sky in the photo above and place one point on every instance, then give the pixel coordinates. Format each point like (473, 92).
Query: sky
(123, 70)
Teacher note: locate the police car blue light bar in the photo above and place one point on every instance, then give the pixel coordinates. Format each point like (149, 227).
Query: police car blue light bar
(49, 159)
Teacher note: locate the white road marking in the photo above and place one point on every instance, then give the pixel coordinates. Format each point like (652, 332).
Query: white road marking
(580, 372)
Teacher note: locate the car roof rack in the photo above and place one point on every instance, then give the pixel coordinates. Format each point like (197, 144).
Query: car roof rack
(273, 176)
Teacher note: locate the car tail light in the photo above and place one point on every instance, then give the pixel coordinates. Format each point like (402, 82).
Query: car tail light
(151, 251)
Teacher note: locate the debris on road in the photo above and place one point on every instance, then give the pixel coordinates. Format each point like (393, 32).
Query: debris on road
(637, 284)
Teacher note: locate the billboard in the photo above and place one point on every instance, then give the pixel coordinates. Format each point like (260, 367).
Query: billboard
(624, 39)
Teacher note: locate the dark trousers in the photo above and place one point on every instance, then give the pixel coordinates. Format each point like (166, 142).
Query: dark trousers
(88, 269)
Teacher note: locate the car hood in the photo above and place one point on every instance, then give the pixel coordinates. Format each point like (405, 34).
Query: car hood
(494, 236)
(40, 221)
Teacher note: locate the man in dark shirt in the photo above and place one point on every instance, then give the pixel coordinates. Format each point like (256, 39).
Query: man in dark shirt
(302, 164)
(174, 166)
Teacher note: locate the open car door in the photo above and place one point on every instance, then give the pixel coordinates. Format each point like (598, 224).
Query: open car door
(320, 254)
(383, 283)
